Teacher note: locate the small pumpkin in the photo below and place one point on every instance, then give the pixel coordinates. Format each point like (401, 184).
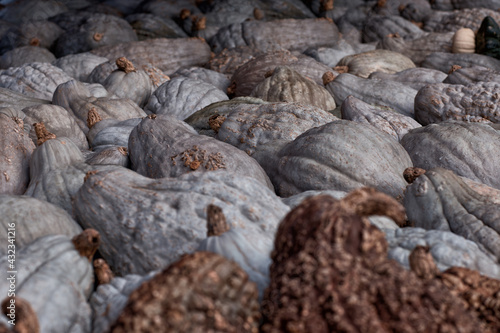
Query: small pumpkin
(464, 41)
(488, 38)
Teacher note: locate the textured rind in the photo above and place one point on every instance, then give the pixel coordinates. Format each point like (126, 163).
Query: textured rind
(168, 54)
(364, 63)
(79, 66)
(341, 155)
(109, 300)
(379, 92)
(447, 248)
(168, 147)
(33, 218)
(334, 264)
(287, 85)
(56, 281)
(38, 79)
(16, 148)
(441, 200)
(415, 78)
(146, 224)
(452, 20)
(471, 150)
(475, 102)
(443, 61)
(388, 121)
(251, 126)
(376, 27)
(213, 77)
(468, 75)
(182, 96)
(202, 292)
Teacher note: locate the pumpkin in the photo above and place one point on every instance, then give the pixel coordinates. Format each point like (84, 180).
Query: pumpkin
(25, 55)
(341, 155)
(250, 251)
(386, 120)
(287, 85)
(38, 79)
(468, 75)
(440, 200)
(181, 96)
(229, 299)
(182, 52)
(150, 26)
(379, 92)
(377, 27)
(10, 98)
(39, 32)
(15, 148)
(444, 61)
(26, 319)
(451, 21)
(488, 38)
(416, 78)
(79, 66)
(32, 10)
(328, 259)
(469, 149)
(203, 74)
(228, 61)
(450, 5)
(146, 224)
(114, 155)
(474, 102)
(33, 218)
(161, 146)
(56, 278)
(330, 56)
(111, 132)
(464, 41)
(129, 82)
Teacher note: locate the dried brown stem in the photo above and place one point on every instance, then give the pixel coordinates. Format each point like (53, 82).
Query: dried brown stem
(42, 133)
(125, 65)
(93, 117)
(215, 122)
(98, 36)
(87, 243)
(26, 318)
(216, 221)
(102, 271)
(328, 77)
(422, 263)
(412, 173)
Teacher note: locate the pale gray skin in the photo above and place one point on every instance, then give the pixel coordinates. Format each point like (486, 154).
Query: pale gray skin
(469, 149)
(146, 224)
(80, 65)
(182, 96)
(376, 27)
(25, 55)
(378, 92)
(415, 78)
(206, 75)
(56, 281)
(342, 155)
(385, 119)
(37, 80)
(475, 102)
(157, 149)
(330, 56)
(468, 75)
(109, 300)
(10, 98)
(111, 132)
(444, 60)
(33, 218)
(135, 85)
(440, 200)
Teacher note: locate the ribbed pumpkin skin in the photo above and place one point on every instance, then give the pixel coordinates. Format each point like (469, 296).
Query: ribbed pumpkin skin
(146, 224)
(135, 85)
(416, 78)
(287, 85)
(341, 155)
(56, 280)
(471, 150)
(33, 218)
(166, 147)
(16, 148)
(444, 60)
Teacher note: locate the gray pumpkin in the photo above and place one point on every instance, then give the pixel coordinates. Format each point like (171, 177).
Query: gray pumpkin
(150, 25)
(440, 200)
(287, 85)
(444, 61)
(79, 66)
(111, 132)
(468, 75)
(341, 155)
(469, 149)
(146, 224)
(330, 56)
(162, 146)
(377, 27)
(379, 92)
(56, 280)
(416, 78)
(25, 55)
(475, 102)
(38, 79)
(181, 96)
(217, 79)
(452, 20)
(10, 98)
(16, 149)
(112, 155)
(385, 119)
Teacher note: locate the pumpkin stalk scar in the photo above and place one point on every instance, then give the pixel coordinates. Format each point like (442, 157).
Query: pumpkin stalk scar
(26, 318)
(125, 65)
(412, 173)
(194, 158)
(327, 78)
(93, 117)
(42, 133)
(87, 243)
(103, 272)
(215, 122)
(216, 221)
(98, 36)
(422, 263)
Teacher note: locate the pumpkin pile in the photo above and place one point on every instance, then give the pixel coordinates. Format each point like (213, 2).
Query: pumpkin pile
(250, 166)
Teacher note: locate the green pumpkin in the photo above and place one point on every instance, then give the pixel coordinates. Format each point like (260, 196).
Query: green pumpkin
(488, 38)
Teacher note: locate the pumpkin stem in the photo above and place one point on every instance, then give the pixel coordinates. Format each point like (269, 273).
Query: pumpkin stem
(258, 14)
(98, 36)
(412, 173)
(328, 77)
(102, 271)
(184, 14)
(87, 242)
(125, 65)
(26, 318)
(422, 263)
(454, 68)
(123, 151)
(368, 201)
(215, 122)
(199, 23)
(42, 133)
(93, 117)
(216, 221)
(325, 5)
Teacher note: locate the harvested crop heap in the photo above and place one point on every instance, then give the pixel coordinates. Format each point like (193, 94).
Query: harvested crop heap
(250, 166)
